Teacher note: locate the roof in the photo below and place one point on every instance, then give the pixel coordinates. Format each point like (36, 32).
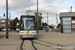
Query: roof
(27, 15)
(67, 14)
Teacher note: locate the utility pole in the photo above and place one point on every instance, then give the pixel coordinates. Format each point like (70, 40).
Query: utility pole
(71, 8)
(10, 16)
(37, 16)
(6, 19)
(56, 19)
(47, 17)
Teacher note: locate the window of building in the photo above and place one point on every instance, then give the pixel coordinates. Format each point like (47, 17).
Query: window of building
(8, 22)
(2, 25)
(3, 21)
(73, 26)
(73, 21)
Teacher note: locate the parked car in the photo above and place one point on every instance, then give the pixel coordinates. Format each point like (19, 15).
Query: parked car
(4, 29)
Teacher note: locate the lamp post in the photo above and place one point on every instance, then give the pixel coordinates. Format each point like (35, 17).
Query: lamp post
(56, 19)
(37, 16)
(71, 8)
(6, 19)
(47, 17)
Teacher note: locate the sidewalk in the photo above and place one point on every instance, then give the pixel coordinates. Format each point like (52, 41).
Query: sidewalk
(12, 43)
(44, 41)
(55, 41)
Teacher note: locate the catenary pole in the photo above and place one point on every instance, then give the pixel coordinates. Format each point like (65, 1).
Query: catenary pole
(37, 16)
(6, 19)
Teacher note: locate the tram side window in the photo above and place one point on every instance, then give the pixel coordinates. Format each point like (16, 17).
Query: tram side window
(22, 25)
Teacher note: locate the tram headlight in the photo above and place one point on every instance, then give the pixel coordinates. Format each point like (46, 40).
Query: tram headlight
(33, 32)
(22, 32)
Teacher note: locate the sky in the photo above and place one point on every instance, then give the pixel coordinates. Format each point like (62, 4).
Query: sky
(19, 7)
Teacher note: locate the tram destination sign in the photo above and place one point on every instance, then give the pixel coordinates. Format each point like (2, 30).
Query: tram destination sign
(27, 18)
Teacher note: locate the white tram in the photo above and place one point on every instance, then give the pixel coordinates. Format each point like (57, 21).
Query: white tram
(27, 26)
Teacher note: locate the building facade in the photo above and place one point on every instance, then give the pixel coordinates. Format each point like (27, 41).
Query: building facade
(3, 23)
(67, 22)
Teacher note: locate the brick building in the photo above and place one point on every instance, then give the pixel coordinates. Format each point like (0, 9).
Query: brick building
(3, 23)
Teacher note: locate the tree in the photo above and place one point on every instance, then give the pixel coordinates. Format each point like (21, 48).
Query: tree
(14, 23)
(53, 25)
(39, 19)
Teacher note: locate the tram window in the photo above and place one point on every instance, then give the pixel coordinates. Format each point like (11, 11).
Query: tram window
(29, 24)
(22, 25)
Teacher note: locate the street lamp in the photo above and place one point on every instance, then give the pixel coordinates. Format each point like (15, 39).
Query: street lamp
(71, 8)
(6, 19)
(56, 19)
(37, 16)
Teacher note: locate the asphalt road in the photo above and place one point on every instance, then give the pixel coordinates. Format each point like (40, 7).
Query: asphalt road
(44, 41)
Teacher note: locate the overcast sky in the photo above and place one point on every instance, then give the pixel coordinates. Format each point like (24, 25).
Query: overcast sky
(53, 7)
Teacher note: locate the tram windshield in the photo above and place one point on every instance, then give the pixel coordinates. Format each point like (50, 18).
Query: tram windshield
(29, 25)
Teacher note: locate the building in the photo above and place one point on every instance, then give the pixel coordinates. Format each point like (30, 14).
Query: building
(67, 22)
(73, 24)
(3, 23)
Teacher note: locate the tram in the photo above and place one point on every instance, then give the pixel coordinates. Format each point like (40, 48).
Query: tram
(27, 26)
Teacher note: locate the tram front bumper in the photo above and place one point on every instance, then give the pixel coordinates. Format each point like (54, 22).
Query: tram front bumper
(27, 36)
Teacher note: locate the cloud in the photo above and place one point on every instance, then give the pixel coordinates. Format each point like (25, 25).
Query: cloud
(63, 10)
(17, 4)
(2, 4)
(51, 20)
(2, 17)
(19, 7)
(61, 1)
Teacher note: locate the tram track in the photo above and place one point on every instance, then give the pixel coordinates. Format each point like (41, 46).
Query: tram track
(33, 45)
(21, 45)
(27, 44)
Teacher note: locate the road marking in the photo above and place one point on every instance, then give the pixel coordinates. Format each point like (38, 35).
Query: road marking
(69, 45)
(9, 44)
(58, 37)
